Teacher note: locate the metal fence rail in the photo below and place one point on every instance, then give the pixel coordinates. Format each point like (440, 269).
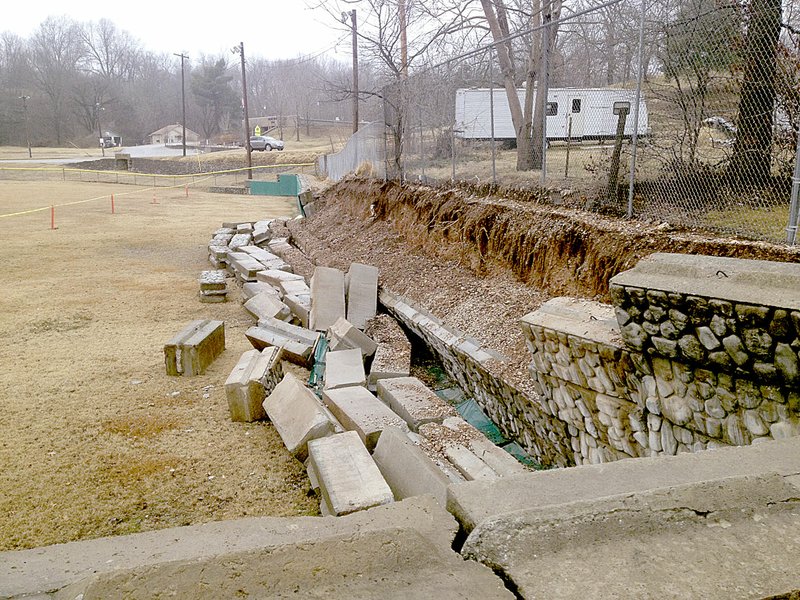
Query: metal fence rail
(364, 150)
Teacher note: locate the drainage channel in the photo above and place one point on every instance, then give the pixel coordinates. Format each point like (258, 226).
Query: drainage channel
(428, 368)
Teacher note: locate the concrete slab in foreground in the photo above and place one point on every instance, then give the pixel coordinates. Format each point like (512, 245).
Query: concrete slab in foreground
(420, 536)
(729, 538)
(475, 501)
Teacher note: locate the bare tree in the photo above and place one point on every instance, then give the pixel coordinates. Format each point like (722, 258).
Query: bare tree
(57, 50)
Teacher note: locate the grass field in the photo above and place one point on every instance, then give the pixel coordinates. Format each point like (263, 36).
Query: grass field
(96, 439)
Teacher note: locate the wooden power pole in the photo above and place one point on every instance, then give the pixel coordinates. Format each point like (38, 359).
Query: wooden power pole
(183, 57)
(240, 50)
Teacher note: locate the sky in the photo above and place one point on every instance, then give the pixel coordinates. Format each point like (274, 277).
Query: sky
(271, 29)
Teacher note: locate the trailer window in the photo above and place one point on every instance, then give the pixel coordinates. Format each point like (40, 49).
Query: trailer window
(576, 105)
(622, 106)
(552, 109)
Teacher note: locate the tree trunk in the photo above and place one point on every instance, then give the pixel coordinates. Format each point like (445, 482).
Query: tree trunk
(504, 57)
(753, 150)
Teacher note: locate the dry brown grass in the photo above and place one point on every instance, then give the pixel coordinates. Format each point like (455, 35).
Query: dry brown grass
(96, 439)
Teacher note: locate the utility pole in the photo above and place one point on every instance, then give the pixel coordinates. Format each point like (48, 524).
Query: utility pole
(27, 123)
(97, 109)
(183, 99)
(240, 50)
(354, 29)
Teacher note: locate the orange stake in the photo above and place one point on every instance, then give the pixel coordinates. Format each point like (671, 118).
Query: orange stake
(52, 217)
(187, 190)
(112, 204)
(154, 199)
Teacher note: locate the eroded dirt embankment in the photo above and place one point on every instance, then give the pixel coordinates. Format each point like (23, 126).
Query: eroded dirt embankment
(480, 262)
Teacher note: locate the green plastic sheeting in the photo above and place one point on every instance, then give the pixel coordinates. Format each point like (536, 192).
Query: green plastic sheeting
(515, 450)
(474, 415)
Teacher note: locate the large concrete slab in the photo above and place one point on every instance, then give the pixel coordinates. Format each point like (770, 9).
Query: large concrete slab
(344, 368)
(252, 288)
(298, 347)
(51, 568)
(358, 410)
(349, 480)
(276, 276)
(327, 298)
(255, 374)
(414, 401)
(195, 347)
(362, 294)
(473, 502)
(758, 282)
(300, 305)
(363, 565)
(298, 415)
(267, 305)
(715, 539)
(343, 335)
(393, 355)
(407, 469)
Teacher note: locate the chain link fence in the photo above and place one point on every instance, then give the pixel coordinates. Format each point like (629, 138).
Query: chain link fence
(364, 150)
(684, 112)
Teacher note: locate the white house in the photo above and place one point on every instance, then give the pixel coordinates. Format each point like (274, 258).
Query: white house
(173, 134)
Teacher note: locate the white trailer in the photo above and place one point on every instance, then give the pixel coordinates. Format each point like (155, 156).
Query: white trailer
(574, 113)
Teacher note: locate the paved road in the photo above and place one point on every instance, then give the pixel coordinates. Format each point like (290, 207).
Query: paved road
(144, 151)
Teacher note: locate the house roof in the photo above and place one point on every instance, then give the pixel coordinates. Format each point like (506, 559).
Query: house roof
(169, 128)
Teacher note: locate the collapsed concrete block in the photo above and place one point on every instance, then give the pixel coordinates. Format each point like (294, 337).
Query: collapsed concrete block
(280, 246)
(298, 343)
(244, 228)
(251, 288)
(275, 276)
(239, 240)
(343, 335)
(360, 411)
(407, 469)
(195, 347)
(414, 401)
(349, 479)
(344, 368)
(254, 376)
(294, 287)
(266, 305)
(300, 305)
(362, 294)
(260, 254)
(267, 259)
(468, 464)
(218, 252)
(213, 287)
(244, 266)
(500, 461)
(225, 231)
(469, 451)
(327, 297)
(393, 354)
(298, 415)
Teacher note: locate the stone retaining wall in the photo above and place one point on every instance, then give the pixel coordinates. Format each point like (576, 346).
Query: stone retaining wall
(720, 340)
(703, 352)
(698, 352)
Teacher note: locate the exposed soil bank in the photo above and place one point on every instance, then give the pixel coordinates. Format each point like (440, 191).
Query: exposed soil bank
(558, 250)
(480, 263)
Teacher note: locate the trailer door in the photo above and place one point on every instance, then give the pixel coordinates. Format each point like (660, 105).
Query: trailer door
(576, 111)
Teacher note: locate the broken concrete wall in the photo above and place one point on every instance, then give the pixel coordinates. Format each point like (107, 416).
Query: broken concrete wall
(520, 416)
(702, 352)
